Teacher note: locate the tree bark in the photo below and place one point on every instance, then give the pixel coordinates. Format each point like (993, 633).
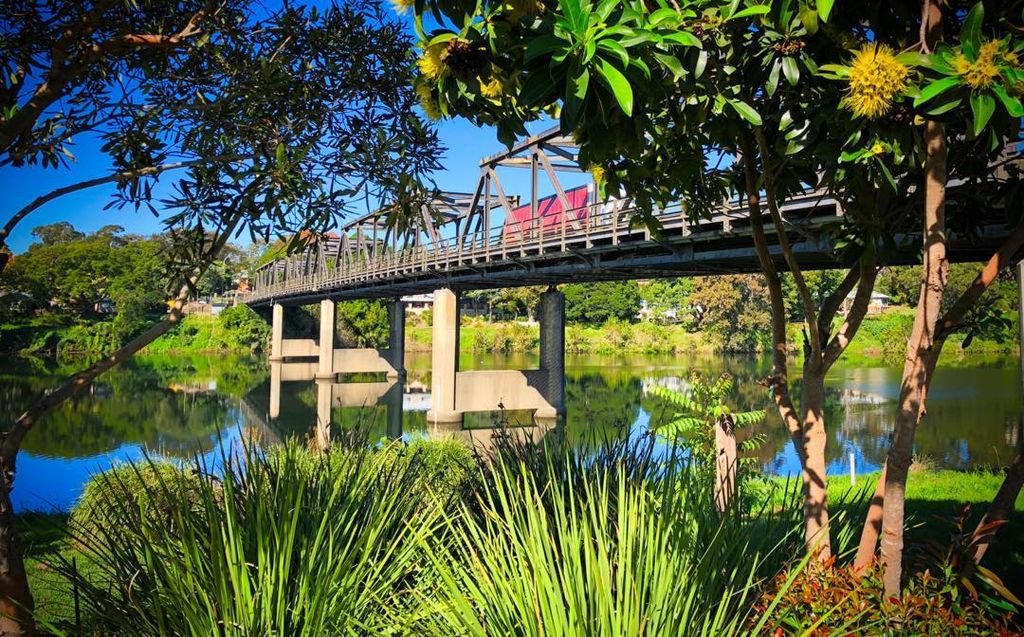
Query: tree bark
(815, 479)
(921, 356)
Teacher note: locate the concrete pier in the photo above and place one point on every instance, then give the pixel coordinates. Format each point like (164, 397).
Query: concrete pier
(277, 333)
(444, 357)
(454, 392)
(551, 315)
(325, 368)
(396, 339)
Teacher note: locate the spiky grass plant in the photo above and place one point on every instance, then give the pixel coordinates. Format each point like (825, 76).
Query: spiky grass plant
(614, 541)
(274, 544)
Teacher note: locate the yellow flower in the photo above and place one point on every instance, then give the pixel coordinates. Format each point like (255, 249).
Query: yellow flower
(877, 148)
(1010, 59)
(961, 64)
(983, 72)
(493, 88)
(598, 173)
(431, 63)
(876, 78)
(428, 101)
(401, 6)
(519, 8)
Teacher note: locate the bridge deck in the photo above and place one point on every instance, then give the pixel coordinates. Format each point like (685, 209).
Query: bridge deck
(600, 246)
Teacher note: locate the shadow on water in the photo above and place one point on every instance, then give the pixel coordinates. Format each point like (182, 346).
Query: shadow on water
(180, 405)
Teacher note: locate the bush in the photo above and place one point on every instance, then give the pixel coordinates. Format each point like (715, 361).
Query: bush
(602, 541)
(279, 544)
(244, 328)
(513, 337)
(152, 489)
(576, 340)
(827, 601)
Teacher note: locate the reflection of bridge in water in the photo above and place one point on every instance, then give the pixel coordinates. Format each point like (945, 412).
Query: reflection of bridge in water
(396, 397)
(488, 239)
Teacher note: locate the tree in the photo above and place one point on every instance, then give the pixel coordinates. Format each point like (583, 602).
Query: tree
(661, 96)
(663, 295)
(735, 307)
(363, 322)
(650, 93)
(55, 233)
(596, 303)
(283, 121)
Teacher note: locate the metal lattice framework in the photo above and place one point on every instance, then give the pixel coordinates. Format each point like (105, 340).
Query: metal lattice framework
(467, 241)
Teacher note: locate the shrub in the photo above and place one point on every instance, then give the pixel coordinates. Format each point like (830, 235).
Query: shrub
(599, 541)
(513, 337)
(828, 601)
(244, 328)
(152, 489)
(576, 340)
(279, 544)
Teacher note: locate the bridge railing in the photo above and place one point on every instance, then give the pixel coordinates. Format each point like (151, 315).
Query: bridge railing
(608, 222)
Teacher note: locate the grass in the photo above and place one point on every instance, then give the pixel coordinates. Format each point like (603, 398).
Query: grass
(934, 499)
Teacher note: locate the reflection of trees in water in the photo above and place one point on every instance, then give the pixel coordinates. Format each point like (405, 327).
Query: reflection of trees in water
(164, 403)
(600, 404)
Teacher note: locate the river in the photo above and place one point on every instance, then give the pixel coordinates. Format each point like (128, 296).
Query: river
(180, 406)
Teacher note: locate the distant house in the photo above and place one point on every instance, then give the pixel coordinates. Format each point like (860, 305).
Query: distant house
(417, 303)
(879, 303)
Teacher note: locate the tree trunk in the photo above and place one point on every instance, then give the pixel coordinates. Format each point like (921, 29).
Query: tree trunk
(872, 528)
(921, 356)
(1003, 504)
(815, 481)
(813, 475)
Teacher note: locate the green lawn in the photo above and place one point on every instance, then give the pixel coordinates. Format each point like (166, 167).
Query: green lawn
(934, 500)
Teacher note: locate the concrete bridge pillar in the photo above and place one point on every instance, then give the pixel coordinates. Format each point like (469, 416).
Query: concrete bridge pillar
(275, 388)
(551, 316)
(325, 365)
(277, 333)
(444, 357)
(396, 339)
(324, 402)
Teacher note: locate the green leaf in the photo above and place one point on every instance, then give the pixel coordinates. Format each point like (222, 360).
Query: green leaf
(970, 32)
(280, 154)
(543, 45)
(757, 9)
(825, 9)
(535, 89)
(671, 63)
(575, 14)
(1012, 103)
(790, 70)
(746, 111)
(773, 77)
(579, 84)
(945, 108)
(619, 85)
(684, 38)
(616, 49)
(982, 105)
(936, 88)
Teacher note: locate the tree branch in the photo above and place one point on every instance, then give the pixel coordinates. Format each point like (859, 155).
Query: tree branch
(119, 177)
(838, 344)
(810, 311)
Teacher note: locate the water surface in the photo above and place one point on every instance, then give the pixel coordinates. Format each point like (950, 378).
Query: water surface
(182, 406)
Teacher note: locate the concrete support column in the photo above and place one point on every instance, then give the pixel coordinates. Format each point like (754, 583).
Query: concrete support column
(444, 357)
(325, 368)
(277, 333)
(396, 338)
(551, 316)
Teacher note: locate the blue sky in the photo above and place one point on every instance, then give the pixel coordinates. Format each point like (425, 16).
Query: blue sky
(466, 145)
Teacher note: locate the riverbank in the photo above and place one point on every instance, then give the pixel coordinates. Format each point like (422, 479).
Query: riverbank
(239, 329)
